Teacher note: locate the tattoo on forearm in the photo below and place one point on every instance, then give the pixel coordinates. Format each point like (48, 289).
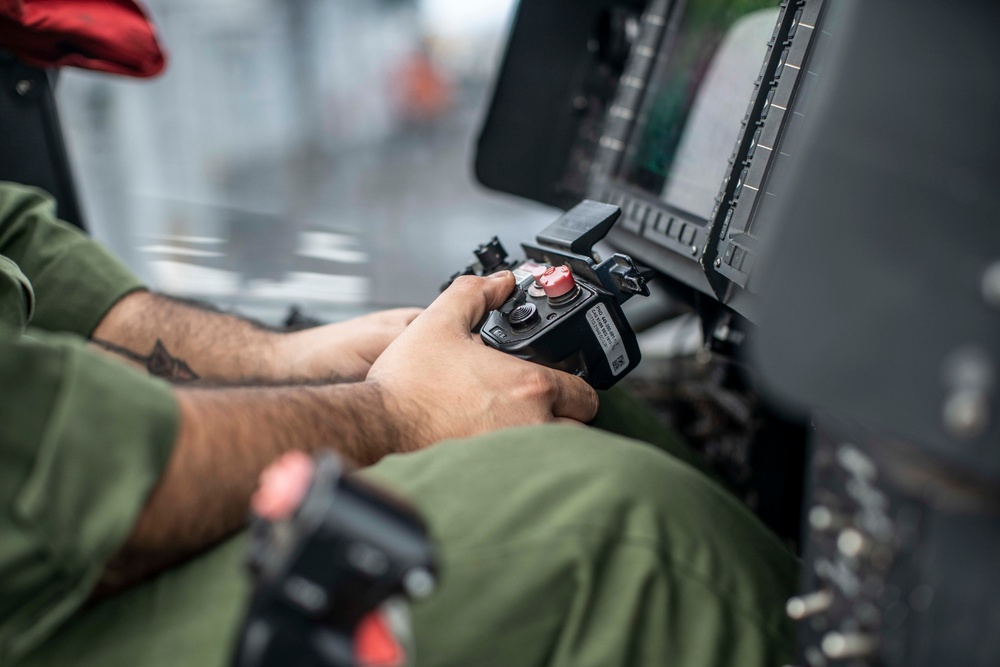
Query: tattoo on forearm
(159, 362)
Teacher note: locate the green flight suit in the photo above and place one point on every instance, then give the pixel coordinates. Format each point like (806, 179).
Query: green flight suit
(560, 545)
(82, 438)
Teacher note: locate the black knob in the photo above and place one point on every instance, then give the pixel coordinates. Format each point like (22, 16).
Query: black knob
(524, 316)
(491, 256)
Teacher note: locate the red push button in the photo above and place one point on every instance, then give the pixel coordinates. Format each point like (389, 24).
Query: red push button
(537, 272)
(557, 281)
(375, 645)
(282, 486)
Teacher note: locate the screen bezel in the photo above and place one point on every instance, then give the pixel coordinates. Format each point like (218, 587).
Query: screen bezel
(678, 243)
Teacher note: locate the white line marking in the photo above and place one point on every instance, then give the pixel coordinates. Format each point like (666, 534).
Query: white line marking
(179, 251)
(330, 247)
(202, 240)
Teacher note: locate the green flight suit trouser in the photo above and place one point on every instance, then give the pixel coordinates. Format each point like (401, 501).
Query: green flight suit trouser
(560, 545)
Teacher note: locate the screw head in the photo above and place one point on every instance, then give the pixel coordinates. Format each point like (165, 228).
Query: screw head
(694, 250)
(851, 543)
(967, 413)
(23, 87)
(419, 583)
(821, 518)
(718, 262)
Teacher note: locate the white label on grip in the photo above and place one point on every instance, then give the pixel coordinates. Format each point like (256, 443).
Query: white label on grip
(607, 334)
(520, 276)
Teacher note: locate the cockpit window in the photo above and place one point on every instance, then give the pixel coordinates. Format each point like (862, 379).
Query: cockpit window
(294, 152)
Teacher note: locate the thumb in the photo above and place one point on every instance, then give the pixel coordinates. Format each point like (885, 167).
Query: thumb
(498, 287)
(469, 298)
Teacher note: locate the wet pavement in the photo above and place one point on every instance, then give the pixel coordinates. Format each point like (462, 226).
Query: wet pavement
(378, 226)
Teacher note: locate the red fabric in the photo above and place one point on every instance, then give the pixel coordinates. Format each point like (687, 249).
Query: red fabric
(107, 35)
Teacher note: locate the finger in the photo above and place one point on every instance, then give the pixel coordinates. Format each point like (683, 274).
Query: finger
(465, 302)
(574, 398)
(409, 314)
(400, 315)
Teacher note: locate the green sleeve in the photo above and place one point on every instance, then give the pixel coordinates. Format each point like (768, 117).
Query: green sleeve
(75, 280)
(17, 298)
(83, 440)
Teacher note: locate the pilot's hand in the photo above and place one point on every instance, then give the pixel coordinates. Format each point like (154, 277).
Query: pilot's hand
(344, 350)
(440, 381)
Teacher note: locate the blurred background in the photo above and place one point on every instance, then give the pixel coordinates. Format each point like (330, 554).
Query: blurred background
(309, 152)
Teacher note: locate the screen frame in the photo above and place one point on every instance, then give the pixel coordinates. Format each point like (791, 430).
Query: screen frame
(679, 243)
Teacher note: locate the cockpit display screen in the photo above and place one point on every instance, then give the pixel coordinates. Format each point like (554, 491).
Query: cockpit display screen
(699, 91)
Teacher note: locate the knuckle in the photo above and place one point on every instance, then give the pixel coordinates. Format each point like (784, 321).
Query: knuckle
(471, 289)
(540, 386)
(467, 284)
(594, 402)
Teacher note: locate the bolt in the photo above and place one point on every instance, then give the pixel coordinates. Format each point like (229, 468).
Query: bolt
(804, 606)
(694, 250)
(821, 518)
(969, 368)
(842, 646)
(851, 543)
(419, 583)
(718, 262)
(23, 87)
(966, 413)
(814, 657)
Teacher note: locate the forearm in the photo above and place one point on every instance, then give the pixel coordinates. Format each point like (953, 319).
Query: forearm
(226, 438)
(435, 381)
(183, 342)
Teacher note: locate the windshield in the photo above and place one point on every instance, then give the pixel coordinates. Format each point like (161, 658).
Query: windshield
(295, 152)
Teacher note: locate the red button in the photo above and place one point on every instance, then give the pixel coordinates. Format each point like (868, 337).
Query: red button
(375, 645)
(557, 281)
(537, 272)
(282, 486)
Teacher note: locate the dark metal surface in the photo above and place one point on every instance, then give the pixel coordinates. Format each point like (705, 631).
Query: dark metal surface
(32, 150)
(560, 69)
(875, 305)
(899, 566)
